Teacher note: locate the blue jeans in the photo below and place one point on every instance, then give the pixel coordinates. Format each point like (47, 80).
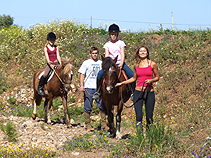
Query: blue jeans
(88, 101)
(128, 72)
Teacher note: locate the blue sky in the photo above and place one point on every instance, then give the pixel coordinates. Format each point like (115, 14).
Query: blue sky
(134, 15)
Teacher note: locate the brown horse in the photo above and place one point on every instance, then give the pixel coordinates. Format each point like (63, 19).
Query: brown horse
(111, 95)
(59, 85)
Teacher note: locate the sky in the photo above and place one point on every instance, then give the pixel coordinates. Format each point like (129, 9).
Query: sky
(130, 15)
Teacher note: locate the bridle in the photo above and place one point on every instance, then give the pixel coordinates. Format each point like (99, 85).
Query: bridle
(63, 80)
(116, 79)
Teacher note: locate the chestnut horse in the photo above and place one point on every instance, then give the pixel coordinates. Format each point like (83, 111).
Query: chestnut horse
(59, 85)
(111, 95)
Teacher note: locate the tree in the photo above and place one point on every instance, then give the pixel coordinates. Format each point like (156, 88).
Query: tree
(6, 20)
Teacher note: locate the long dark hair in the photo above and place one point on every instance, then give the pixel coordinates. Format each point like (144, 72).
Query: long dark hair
(137, 57)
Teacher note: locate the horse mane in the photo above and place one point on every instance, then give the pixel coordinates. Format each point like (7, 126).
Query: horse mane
(107, 63)
(68, 65)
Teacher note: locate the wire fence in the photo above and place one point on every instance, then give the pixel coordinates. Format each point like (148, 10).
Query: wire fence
(129, 25)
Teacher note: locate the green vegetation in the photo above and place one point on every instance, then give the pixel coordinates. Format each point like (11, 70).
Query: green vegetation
(183, 95)
(6, 21)
(10, 131)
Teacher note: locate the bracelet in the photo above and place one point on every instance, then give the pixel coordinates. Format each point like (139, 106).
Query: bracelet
(81, 85)
(49, 63)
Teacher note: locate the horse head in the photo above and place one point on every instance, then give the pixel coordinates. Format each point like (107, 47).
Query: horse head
(110, 73)
(67, 73)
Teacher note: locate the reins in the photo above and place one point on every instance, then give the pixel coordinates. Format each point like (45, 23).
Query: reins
(62, 82)
(139, 97)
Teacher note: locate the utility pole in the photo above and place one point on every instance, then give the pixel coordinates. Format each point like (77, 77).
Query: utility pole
(172, 21)
(91, 22)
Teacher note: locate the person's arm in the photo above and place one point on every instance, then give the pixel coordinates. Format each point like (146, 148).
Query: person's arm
(122, 51)
(81, 82)
(131, 80)
(46, 55)
(58, 56)
(106, 53)
(156, 74)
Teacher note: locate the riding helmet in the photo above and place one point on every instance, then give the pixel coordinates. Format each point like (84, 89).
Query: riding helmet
(51, 36)
(113, 28)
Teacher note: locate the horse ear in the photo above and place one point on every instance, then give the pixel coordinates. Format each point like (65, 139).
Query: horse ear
(71, 61)
(102, 57)
(115, 59)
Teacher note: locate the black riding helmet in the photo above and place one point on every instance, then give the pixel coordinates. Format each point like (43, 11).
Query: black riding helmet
(51, 36)
(113, 28)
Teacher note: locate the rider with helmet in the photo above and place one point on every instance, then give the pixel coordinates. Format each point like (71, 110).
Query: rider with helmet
(114, 48)
(53, 59)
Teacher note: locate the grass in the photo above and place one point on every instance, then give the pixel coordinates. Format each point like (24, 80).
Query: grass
(10, 131)
(182, 110)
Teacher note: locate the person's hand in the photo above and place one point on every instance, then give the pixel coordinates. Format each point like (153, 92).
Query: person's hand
(148, 81)
(81, 89)
(118, 84)
(120, 66)
(52, 66)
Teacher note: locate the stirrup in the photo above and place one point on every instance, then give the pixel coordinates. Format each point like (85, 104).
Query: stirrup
(96, 95)
(40, 90)
(131, 97)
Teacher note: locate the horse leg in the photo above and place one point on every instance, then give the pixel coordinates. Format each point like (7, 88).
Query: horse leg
(49, 112)
(36, 102)
(64, 100)
(45, 109)
(111, 124)
(118, 120)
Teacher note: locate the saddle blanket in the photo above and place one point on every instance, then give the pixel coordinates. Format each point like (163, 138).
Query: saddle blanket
(48, 78)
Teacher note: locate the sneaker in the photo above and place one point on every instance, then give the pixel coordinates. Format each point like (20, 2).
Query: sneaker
(96, 96)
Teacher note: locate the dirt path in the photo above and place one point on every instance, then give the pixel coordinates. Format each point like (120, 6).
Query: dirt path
(36, 133)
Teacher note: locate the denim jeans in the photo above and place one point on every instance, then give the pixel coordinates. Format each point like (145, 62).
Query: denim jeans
(88, 100)
(128, 71)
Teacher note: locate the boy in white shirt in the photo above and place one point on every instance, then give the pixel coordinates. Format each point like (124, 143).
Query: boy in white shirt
(88, 75)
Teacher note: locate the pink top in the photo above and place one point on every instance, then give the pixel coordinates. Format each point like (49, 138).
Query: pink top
(52, 54)
(144, 74)
(114, 49)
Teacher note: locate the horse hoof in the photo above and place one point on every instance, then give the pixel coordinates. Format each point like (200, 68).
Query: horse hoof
(69, 126)
(33, 116)
(118, 136)
(113, 135)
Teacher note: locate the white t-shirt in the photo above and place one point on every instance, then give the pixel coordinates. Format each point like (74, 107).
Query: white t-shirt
(90, 69)
(114, 49)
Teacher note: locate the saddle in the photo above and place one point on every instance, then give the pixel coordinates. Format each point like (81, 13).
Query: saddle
(49, 76)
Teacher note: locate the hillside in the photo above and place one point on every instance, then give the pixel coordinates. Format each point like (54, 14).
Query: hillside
(183, 94)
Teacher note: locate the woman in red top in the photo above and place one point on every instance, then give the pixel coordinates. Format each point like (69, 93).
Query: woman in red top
(144, 71)
(53, 59)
